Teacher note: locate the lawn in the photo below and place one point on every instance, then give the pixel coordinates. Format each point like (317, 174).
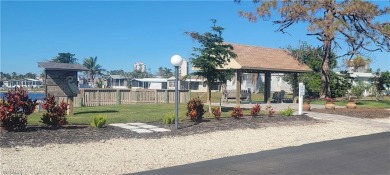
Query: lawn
(127, 113)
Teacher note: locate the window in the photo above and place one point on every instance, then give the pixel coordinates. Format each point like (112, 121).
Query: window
(171, 84)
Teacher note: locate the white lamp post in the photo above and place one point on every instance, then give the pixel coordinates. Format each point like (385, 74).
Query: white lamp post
(176, 61)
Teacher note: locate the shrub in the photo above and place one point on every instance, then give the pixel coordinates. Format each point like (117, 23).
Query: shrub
(55, 114)
(169, 119)
(15, 109)
(236, 112)
(359, 89)
(270, 110)
(99, 121)
(255, 110)
(217, 113)
(287, 112)
(195, 109)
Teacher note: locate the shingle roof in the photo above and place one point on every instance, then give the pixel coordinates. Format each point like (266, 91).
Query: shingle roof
(265, 59)
(62, 66)
(117, 77)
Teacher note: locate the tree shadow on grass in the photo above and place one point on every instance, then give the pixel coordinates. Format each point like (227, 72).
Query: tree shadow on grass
(226, 109)
(96, 112)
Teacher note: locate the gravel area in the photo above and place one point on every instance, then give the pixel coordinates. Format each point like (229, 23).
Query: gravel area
(130, 155)
(367, 113)
(40, 136)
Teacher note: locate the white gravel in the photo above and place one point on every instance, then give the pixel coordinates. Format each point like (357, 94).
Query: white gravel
(120, 156)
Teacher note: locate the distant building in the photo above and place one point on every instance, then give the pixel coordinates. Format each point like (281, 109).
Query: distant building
(139, 66)
(25, 83)
(362, 75)
(183, 69)
(117, 82)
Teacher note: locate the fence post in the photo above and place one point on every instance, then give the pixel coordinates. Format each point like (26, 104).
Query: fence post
(155, 96)
(166, 96)
(118, 97)
(98, 97)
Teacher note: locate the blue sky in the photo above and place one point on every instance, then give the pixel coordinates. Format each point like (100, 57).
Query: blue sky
(124, 32)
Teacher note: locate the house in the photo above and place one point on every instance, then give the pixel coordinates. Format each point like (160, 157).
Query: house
(192, 83)
(149, 83)
(25, 83)
(117, 82)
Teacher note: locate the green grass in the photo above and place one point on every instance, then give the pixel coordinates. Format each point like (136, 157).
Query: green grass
(216, 97)
(117, 113)
(385, 104)
(129, 113)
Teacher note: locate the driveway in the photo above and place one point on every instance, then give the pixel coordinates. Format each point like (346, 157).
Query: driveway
(369, 154)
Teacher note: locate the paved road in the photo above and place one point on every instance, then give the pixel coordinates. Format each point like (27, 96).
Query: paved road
(356, 155)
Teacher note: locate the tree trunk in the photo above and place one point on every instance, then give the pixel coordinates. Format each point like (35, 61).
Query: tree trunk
(209, 96)
(325, 89)
(327, 38)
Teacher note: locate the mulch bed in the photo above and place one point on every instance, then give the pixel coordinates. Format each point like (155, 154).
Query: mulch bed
(359, 112)
(40, 136)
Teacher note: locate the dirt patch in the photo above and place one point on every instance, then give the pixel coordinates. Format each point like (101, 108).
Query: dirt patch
(359, 112)
(40, 136)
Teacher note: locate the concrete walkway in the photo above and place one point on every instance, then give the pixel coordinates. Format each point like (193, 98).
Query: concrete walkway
(333, 117)
(321, 116)
(140, 127)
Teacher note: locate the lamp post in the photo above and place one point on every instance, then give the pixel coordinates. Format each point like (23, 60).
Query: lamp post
(176, 61)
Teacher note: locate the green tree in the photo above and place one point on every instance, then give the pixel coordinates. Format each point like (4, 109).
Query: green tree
(385, 76)
(311, 56)
(140, 74)
(93, 68)
(353, 22)
(65, 58)
(5, 76)
(164, 72)
(14, 75)
(30, 75)
(212, 54)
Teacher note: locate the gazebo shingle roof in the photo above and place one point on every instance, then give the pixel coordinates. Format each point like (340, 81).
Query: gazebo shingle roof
(266, 59)
(62, 66)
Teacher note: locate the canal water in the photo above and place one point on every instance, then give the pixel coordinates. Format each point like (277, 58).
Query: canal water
(33, 95)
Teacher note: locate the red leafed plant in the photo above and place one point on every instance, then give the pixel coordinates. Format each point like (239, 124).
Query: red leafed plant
(15, 108)
(195, 109)
(237, 112)
(255, 110)
(55, 114)
(217, 113)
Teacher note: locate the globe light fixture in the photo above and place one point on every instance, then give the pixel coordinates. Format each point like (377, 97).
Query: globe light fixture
(176, 61)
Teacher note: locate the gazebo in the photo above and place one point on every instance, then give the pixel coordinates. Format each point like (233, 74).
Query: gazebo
(254, 59)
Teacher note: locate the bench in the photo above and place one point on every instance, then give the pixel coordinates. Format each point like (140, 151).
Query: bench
(231, 94)
(278, 97)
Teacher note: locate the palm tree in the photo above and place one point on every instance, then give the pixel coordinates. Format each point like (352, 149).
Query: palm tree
(93, 68)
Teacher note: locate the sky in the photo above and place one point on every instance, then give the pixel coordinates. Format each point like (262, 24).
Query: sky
(121, 33)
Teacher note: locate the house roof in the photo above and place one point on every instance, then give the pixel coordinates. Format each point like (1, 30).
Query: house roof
(265, 59)
(117, 77)
(62, 66)
(154, 80)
